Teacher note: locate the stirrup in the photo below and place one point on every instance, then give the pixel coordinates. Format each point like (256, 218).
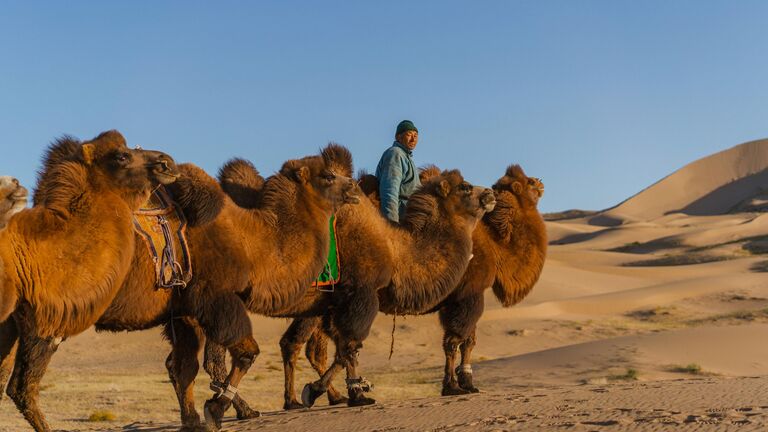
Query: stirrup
(360, 384)
(218, 387)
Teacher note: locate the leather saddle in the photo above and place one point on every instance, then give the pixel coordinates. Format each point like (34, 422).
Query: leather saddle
(162, 225)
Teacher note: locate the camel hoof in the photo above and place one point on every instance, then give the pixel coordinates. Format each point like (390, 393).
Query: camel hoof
(361, 401)
(338, 400)
(213, 415)
(310, 394)
(248, 414)
(293, 405)
(454, 391)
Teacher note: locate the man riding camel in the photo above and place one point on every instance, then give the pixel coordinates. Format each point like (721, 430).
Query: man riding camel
(396, 172)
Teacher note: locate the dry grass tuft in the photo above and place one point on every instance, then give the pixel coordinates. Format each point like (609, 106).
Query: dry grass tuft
(102, 416)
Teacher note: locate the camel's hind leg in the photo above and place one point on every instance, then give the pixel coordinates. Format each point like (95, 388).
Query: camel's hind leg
(182, 367)
(225, 321)
(8, 343)
(459, 317)
(32, 359)
(317, 354)
(214, 363)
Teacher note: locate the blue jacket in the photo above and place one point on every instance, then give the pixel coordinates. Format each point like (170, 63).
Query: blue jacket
(398, 179)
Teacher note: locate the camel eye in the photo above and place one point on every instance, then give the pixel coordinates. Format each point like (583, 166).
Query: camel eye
(123, 158)
(329, 177)
(15, 182)
(465, 187)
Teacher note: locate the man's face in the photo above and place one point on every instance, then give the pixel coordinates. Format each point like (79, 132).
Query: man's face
(409, 139)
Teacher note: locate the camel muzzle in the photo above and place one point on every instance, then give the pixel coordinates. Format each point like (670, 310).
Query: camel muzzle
(351, 194)
(488, 200)
(162, 167)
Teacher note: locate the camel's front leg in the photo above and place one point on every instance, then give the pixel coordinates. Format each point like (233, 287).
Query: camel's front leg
(182, 365)
(226, 322)
(464, 371)
(8, 343)
(317, 354)
(214, 363)
(32, 359)
(295, 336)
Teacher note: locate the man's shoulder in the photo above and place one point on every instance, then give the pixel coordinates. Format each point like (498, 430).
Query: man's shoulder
(393, 153)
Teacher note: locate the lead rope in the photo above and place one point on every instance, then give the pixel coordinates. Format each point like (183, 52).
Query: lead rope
(392, 343)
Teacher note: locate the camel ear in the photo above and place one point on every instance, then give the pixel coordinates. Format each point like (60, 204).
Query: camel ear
(517, 187)
(302, 174)
(88, 150)
(444, 188)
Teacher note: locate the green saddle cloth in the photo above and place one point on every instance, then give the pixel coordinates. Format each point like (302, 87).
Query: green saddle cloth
(330, 274)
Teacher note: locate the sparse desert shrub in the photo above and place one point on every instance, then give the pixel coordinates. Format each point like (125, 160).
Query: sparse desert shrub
(691, 368)
(102, 416)
(630, 375)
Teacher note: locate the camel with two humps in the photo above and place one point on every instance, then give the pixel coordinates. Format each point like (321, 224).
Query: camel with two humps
(407, 268)
(63, 261)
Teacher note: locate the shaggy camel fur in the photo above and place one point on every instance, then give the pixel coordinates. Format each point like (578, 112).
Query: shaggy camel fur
(229, 248)
(13, 199)
(84, 224)
(509, 248)
(267, 255)
(138, 304)
(405, 268)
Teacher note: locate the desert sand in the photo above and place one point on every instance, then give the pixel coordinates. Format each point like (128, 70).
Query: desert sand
(652, 315)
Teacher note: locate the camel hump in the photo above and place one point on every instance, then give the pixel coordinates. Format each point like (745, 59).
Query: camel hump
(369, 184)
(242, 182)
(197, 194)
(426, 172)
(338, 158)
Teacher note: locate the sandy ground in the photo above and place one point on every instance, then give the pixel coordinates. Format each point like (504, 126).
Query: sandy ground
(644, 319)
(601, 342)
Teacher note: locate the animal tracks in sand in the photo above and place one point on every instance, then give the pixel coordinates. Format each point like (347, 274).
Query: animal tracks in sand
(702, 404)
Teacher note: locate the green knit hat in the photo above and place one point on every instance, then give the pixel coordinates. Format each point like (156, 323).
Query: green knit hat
(405, 126)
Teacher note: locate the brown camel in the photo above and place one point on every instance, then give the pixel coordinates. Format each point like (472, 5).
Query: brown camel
(405, 268)
(234, 254)
(266, 255)
(13, 199)
(509, 249)
(83, 224)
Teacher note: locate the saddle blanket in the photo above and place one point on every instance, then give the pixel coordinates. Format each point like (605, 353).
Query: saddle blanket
(162, 225)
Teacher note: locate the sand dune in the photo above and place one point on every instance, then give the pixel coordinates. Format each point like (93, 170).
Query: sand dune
(732, 179)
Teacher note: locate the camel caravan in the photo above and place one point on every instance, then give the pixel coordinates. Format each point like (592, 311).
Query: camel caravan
(141, 241)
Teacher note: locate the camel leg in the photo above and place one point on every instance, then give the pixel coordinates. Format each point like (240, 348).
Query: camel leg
(458, 318)
(182, 365)
(317, 354)
(464, 370)
(226, 322)
(314, 390)
(8, 343)
(215, 365)
(295, 336)
(32, 359)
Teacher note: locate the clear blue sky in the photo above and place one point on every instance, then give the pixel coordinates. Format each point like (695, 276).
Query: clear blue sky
(599, 98)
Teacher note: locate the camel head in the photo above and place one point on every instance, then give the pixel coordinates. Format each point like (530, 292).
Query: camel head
(327, 175)
(104, 162)
(448, 195)
(13, 198)
(526, 190)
